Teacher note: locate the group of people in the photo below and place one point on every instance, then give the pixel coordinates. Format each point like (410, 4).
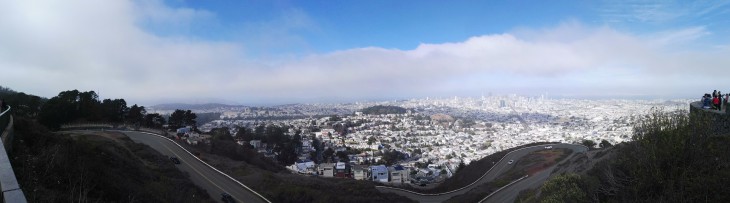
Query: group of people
(715, 101)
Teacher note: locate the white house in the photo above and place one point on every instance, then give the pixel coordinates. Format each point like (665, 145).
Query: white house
(327, 170)
(303, 166)
(359, 172)
(398, 174)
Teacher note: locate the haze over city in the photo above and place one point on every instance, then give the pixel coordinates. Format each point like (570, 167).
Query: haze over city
(276, 52)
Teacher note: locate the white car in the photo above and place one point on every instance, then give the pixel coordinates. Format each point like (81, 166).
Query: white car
(510, 161)
(549, 147)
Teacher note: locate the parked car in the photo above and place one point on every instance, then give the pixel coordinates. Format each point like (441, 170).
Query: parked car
(225, 197)
(510, 161)
(175, 160)
(549, 147)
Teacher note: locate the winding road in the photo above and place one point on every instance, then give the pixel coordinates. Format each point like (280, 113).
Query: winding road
(508, 194)
(202, 175)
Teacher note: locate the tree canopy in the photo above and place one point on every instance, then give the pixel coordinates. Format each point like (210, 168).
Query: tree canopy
(380, 109)
(75, 106)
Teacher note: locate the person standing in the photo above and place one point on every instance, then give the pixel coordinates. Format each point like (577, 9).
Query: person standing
(719, 98)
(716, 102)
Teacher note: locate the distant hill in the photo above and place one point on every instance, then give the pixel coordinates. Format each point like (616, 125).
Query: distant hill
(380, 109)
(173, 106)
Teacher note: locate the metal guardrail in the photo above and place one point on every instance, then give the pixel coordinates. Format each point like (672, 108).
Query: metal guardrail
(8, 183)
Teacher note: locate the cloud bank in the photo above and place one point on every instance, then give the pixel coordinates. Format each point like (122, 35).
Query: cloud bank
(50, 46)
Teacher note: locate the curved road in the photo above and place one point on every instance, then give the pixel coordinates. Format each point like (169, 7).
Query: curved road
(510, 193)
(506, 195)
(205, 177)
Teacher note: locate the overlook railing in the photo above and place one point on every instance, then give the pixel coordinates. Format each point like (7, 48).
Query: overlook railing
(8, 183)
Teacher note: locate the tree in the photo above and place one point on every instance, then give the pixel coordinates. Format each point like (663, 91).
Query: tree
(136, 115)
(604, 144)
(56, 112)
(275, 135)
(221, 134)
(328, 154)
(114, 110)
(297, 140)
(461, 165)
(259, 132)
(176, 119)
(181, 118)
(335, 118)
(287, 154)
(318, 149)
(245, 134)
(589, 143)
(371, 140)
(189, 119)
(417, 151)
(154, 120)
(392, 156)
(88, 104)
(564, 188)
(343, 156)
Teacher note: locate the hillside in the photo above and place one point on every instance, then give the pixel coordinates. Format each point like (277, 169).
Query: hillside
(675, 157)
(74, 167)
(471, 172)
(279, 185)
(380, 109)
(173, 106)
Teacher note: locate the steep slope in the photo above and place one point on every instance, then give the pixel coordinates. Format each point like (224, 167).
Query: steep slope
(74, 167)
(675, 157)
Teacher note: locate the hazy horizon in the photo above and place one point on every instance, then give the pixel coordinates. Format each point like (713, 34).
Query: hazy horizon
(281, 52)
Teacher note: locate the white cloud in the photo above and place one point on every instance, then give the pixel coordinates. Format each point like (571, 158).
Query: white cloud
(48, 47)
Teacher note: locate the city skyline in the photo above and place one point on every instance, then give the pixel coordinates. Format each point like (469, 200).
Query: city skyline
(277, 52)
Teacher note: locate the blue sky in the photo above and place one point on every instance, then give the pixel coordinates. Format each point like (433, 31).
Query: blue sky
(326, 26)
(273, 52)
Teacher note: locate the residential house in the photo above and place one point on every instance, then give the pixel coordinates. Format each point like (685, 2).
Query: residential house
(379, 173)
(255, 143)
(398, 174)
(303, 166)
(342, 170)
(327, 170)
(359, 172)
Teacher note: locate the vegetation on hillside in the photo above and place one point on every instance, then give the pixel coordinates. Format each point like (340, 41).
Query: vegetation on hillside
(529, 164)
(380, 110)
(60, 168)
(472, 172)
(75, 106)
(673, 158)
(23, 104)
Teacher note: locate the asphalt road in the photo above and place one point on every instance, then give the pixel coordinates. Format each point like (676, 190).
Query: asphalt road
(202, 175)
(506, 195)
(510, 193)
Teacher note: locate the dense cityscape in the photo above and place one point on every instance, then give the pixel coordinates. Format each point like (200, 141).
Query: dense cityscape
(431, 136)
